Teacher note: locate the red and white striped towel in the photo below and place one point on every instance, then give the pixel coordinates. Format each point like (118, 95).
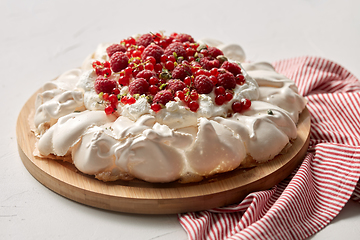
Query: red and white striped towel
(314, 194)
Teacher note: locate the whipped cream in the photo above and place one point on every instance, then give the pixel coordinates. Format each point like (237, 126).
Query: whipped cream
(174, 143)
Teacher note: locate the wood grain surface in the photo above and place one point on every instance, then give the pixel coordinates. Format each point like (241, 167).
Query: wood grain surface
(148, 198)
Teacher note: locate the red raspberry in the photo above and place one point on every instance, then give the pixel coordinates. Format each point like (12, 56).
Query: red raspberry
(103, 84)
(214, 52)
(209, 63)
(176, 85)
(226, 79)
(119, 61)
(181, 72)
(144, 40)
(138, 86)
(176, 47)
(147, 74)
(115, 48)
(234, 68)
(153, 50)
(183, 37)
(163, 97)
(203, 84)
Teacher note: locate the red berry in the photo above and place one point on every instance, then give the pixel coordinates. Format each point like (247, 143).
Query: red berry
(180, 95)
(181, 72)
(136, 54)
(149, 66)
(128, 71)
(220, 90)
(220, 99)
(147, 74)
(113, 99)
(182, 37)
(176, 85)
(105, 96)
(155, 107)
(228, 96)
(144, 40)
(208, 63)
(116, 91)
(214, 52)
(119, 61)
(193, 105)
(153, 50)
(124, 80)
(214, 72)
(163, 97)
(109, 109)
(190, 51)
(201, 72)
(101, 71)
(203, 84)
(138, 86)
(171, 58)
(194, 95)
(115, 48)
(169, 65)
(151, 60)
(236, 106)
(232, 67)
(213, 79)
(187, 81)
(153, 89)
(240, 79)
(158, 68)
(103, 84)
(226, 79)
(131, 100)
(246, 103)
(177, 48)
(153, 81)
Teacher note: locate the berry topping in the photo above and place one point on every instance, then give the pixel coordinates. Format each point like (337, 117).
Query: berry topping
(155, 107)
(177, 48)
(183, 37)
(138, 86)
(119, 61)
(154, 51)
(102, 69)
(181, 72)
(115, 48)
(103, 84)
(214, 52)
(144, 40)
(209, 63)
(163, 97)
(226, 79)
(176, 85)
(231, 67)
(203, 84)
(147, 74)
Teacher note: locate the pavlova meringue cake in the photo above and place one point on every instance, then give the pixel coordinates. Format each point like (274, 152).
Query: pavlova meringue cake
(166, 108)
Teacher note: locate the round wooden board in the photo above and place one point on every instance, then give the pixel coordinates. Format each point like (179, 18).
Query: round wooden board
(148, 198)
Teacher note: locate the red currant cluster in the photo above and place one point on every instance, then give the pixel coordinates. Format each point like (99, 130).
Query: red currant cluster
(151, 63)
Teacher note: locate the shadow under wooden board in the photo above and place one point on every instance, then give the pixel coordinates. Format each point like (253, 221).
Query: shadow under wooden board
(149, 198)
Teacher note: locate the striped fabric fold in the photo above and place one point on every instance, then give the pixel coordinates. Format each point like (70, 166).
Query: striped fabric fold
(313, 194)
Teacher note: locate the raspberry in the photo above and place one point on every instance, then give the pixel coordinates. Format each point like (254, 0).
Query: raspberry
(203, 84)
(226, 79)
(103, 84)
(214, 52)
(181, 72)
(209, 63)
(231, 67)
(177, 48)
(163, 97)
(115, 48)
(176, 85)
(147, 74)
(153, 50)
(138, 86)
(144, 40)
(182, 37)
(119, 61)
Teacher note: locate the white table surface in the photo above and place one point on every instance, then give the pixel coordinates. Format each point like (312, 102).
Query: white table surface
(41, 39)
